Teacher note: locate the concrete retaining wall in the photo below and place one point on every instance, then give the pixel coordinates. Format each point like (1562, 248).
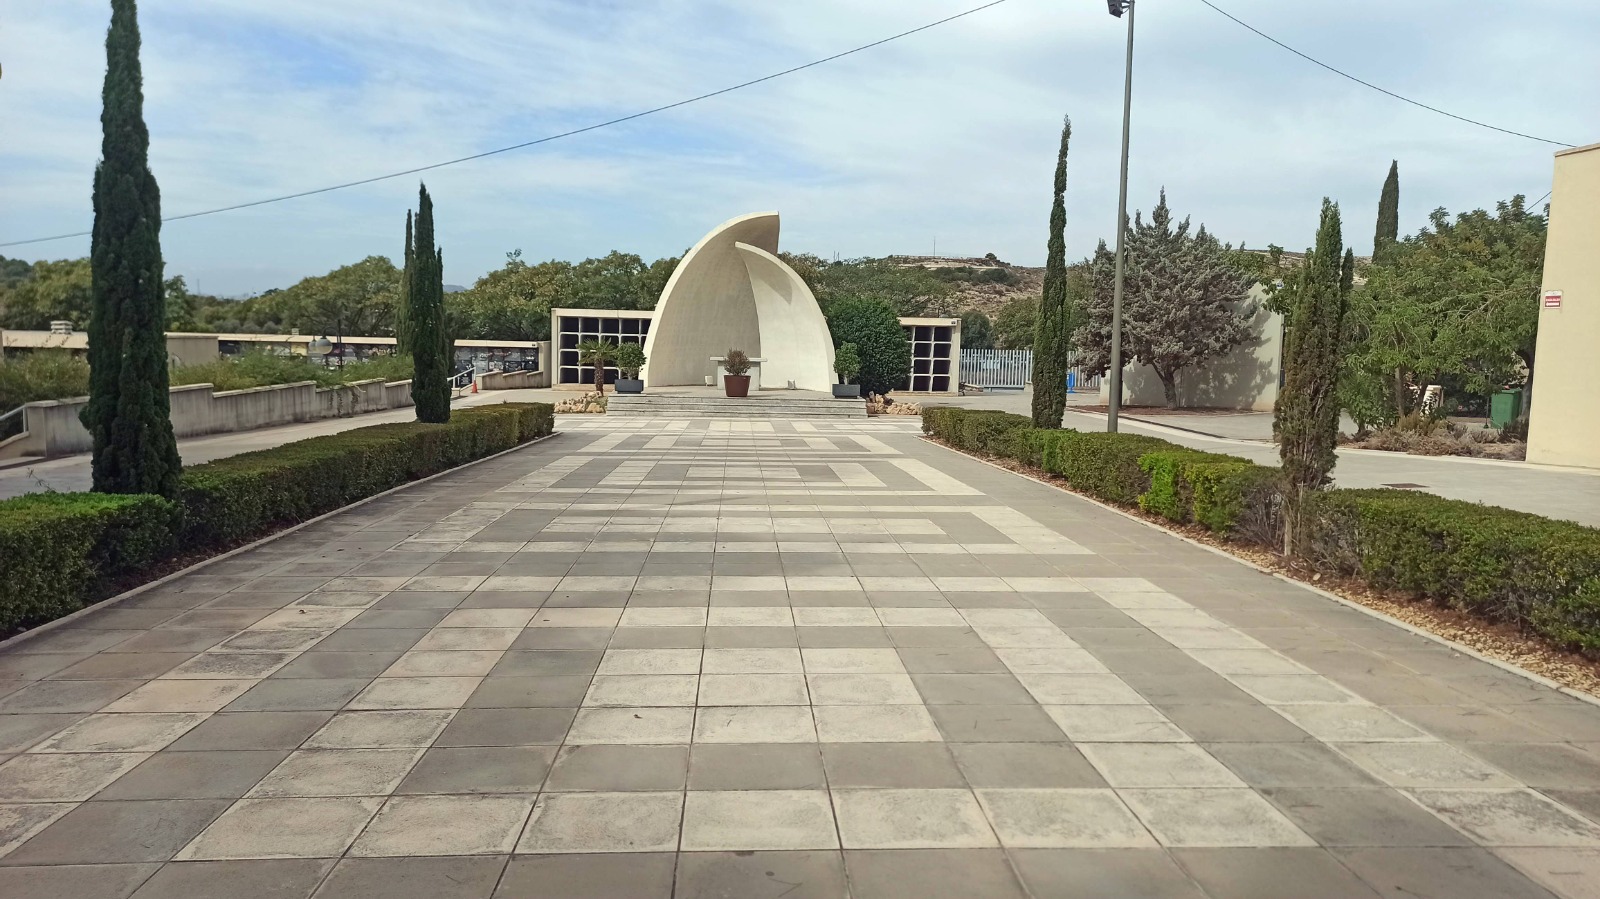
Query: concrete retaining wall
(512, 380)
(51, 428)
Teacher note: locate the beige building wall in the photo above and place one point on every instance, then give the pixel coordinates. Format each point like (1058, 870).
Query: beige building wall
(1564, 423)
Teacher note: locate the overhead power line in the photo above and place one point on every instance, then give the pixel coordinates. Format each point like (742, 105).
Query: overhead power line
(1343, 74)
(543, 140)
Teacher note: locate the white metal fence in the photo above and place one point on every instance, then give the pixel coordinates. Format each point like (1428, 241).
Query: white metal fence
(1013, 370)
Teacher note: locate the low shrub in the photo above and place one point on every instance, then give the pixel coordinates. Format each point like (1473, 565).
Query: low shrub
(1237, 499)
(1536, 573)
(1105, 466)
(44, 375)
(59, 551)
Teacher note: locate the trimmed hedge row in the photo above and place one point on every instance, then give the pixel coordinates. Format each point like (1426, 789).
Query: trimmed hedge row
(61, 551)
(1539, 574)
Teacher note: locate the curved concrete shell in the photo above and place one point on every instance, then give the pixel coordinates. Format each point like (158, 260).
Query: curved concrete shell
(731, 292)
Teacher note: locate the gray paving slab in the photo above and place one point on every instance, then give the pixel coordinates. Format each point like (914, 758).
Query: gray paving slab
(763, 659)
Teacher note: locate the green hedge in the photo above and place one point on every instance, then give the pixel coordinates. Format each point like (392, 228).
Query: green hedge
(58, 550)
(61, 551)
(242, 496)
(1539, 574)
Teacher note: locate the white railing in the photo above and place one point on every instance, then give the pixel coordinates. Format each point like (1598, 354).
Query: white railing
(997, 369)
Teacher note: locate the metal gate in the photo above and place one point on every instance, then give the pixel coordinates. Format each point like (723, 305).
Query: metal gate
(997, 369)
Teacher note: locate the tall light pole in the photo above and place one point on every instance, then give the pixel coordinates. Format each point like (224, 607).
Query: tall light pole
(1117, 8)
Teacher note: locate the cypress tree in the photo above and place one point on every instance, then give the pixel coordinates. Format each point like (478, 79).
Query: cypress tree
(1388, 232)
(1307, 412)
(402, 309)
(430, 384)
(129, 412)
(1052, 342)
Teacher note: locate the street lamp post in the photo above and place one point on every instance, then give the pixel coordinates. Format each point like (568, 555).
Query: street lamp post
(1117, 8)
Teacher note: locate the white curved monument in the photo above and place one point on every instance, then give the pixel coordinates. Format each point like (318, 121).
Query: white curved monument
(732, 292)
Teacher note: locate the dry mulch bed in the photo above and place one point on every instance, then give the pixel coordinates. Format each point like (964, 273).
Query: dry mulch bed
(1496, 640)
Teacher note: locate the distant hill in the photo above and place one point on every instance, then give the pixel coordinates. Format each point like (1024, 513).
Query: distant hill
(982, 283)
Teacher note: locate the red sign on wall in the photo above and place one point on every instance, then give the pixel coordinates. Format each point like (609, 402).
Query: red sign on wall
(1552, 299)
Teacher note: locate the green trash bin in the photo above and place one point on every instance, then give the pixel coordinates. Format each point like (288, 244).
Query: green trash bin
(1504, 407)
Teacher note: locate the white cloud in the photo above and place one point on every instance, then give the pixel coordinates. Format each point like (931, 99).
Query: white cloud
(947, 135)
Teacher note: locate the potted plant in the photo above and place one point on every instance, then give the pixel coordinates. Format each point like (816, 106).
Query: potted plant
(598, 353)
(847, 362)
(630, 358)
(736, 373)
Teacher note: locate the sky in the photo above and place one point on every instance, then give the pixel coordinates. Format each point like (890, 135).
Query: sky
(943, 141)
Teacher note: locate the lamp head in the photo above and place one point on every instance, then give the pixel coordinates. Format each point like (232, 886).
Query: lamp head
(1116, 7)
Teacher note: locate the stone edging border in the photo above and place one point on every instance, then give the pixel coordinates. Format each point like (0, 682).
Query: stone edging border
(49, 626)
(1411, 628)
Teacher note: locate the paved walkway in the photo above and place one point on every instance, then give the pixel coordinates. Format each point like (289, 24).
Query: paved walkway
(750, 659)
(72, 473)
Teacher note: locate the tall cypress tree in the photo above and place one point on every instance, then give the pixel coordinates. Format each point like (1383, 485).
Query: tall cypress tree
(430, 384)
(1307, 411)
(1388, 232)
(129, 412)
(1052, 342)
(402, 309)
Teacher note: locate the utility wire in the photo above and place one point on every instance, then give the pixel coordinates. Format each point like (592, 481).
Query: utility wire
(542, 140)
(1344, 74)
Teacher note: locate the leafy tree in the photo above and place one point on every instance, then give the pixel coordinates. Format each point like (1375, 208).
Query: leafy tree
(129, 412)
(874, 327)
(908, 289)
(62, 290)
(430, 342)
(514, 302)
(13, 271)
(1388, 230)
(1306, 418)
(977, 331)
(1052, 344)
(357, 299)
(1458, 301)
(1014, 327)
(1184, 301)
(613, 281)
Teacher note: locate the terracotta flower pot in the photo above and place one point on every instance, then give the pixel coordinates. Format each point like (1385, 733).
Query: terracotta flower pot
(736, 385)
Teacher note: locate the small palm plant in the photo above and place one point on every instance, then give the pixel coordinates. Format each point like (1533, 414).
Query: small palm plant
(598, 353)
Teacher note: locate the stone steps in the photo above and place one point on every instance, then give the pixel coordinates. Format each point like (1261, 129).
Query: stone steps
(645, 405)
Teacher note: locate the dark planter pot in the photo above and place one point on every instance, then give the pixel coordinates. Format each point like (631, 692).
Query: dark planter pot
(630, 385)
(847, 391)
(736, 385)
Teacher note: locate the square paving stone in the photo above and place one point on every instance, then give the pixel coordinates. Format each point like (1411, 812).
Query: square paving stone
(291, 695)
(113, 832)
(63, 777)
(256, 879)
(1116, 724)
(911, 819)
(1554, 766)
(506, 727)
(1213, 818)
(658, 638)
(1025, 765)
(252, 730)
(752, 637)
(588, 876)
(951, 660)
(545, 691)
(18, 732)
(970, 689)
(1272, 874)
(603, 822)
(120, 665)
(632, 726)
(563, 638)
(1571, 873)
(751, 661)
(758, 819)
(1236, 723)
(1510, 818)
(1306, 764)
(1063, 819)
(630, 690)
(1375, 816)
(931, 874)
(19, 821)
(66, 696)
(1103, 872)
(1425, 765)
(414, 878)
(754, 724)
(416, 693)
(58, 881)
(1453, 873)
(337, 665)
(370, 639)
(843, 637)
(863, 689)
(380, 730)
(528, 663)
(121, 733)
(1158, 765)
(182, 696)
(444, 825)
(995, 724)
(756, 766)
(875, 724)
(761, 875)
(603, 768)
(225, 774)
(753, 689)
(502, 769)
(284, 828)
(337, 772)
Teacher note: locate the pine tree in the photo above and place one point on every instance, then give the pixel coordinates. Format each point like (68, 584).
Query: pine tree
(1306, 418)
(1388, 232)
(1052, 342)
(129, 412)
(430, 382)
(402, 308)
